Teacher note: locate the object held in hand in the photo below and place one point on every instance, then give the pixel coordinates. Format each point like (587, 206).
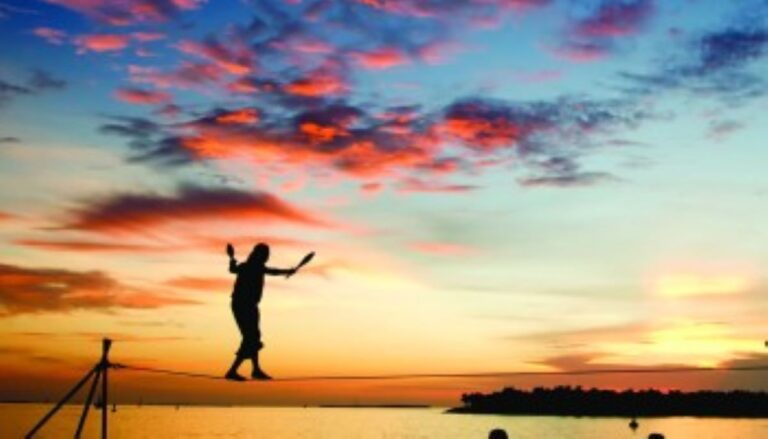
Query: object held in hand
(306, 260)
(230, 250)
(303, 262)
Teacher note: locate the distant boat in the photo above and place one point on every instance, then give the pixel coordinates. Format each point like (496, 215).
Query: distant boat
(633, 424)
(114, 407)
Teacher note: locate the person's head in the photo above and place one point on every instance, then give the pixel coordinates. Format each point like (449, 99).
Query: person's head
(498, 433)
(259, 255)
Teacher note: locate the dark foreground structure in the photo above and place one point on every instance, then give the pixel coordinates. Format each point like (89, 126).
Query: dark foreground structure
(575, 401)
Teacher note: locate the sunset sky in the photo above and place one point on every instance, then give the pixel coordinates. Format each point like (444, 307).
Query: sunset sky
(488, 184)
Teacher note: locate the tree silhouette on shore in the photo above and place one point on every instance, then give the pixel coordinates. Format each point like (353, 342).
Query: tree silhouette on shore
(576, 401)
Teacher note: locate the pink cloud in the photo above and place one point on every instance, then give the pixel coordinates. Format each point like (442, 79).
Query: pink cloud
(616, 19)
(382, 58)
(126, 12)
(187, 75)
(234, 57)
(142, 97)
(581, 52)
(148, 36)
(102, 42)
(439, 52)
(371, 187)
(53, 36)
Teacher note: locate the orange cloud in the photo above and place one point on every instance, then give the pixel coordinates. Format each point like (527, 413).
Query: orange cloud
(242, 116)
(316, 85)
(87, 246)
(25, 290)
(5, 216)
(201, 283)
(318, 133)
(478, 131)
(142, 97)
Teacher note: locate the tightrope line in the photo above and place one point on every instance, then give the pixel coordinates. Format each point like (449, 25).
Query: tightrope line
(498, 374)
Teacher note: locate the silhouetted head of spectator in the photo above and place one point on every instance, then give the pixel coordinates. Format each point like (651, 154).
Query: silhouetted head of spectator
(655, 436)
(259, 255)
(498, 433)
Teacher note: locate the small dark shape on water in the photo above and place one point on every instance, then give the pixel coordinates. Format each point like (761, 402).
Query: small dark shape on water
(498, 433)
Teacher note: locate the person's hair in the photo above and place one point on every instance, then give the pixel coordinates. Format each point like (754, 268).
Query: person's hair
(259, 255)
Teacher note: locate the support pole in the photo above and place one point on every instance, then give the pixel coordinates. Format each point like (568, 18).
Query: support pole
(88, 402)
(62, 402)
(104, 364)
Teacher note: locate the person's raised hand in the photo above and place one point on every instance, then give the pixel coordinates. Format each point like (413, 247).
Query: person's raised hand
(230, 250)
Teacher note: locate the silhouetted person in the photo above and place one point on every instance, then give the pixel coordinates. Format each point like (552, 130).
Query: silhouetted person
(249, 286)
(655, 436)
(498, 433)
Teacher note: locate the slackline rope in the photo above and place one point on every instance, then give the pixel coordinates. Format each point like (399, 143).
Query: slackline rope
(500, 374)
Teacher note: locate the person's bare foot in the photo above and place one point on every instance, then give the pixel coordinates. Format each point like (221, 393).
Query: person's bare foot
(234, 376)
(259, 374)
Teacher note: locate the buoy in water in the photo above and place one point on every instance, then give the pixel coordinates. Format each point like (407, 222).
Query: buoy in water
(633, 424)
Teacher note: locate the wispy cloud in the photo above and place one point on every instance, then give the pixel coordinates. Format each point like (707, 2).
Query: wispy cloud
(28, 290)
(38, 81)
(126, 12)
(139, 212)
(142, 97)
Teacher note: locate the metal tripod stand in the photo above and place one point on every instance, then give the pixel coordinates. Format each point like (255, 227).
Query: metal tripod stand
(98, 372)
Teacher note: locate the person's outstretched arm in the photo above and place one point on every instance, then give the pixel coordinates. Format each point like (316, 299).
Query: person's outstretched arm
(279, 271)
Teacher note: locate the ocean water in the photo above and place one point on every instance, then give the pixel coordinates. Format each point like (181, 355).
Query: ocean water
(343, 423)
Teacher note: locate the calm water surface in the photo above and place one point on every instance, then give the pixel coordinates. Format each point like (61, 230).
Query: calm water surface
(341, 423)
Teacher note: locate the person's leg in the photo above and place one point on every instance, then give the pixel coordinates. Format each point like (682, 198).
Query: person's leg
(243, 351)
(257, 373)
(232, 372)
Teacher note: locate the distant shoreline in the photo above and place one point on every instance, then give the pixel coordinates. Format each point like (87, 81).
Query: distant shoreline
(596, 403)
(459, 411)
(374, 406)
(187, 404)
